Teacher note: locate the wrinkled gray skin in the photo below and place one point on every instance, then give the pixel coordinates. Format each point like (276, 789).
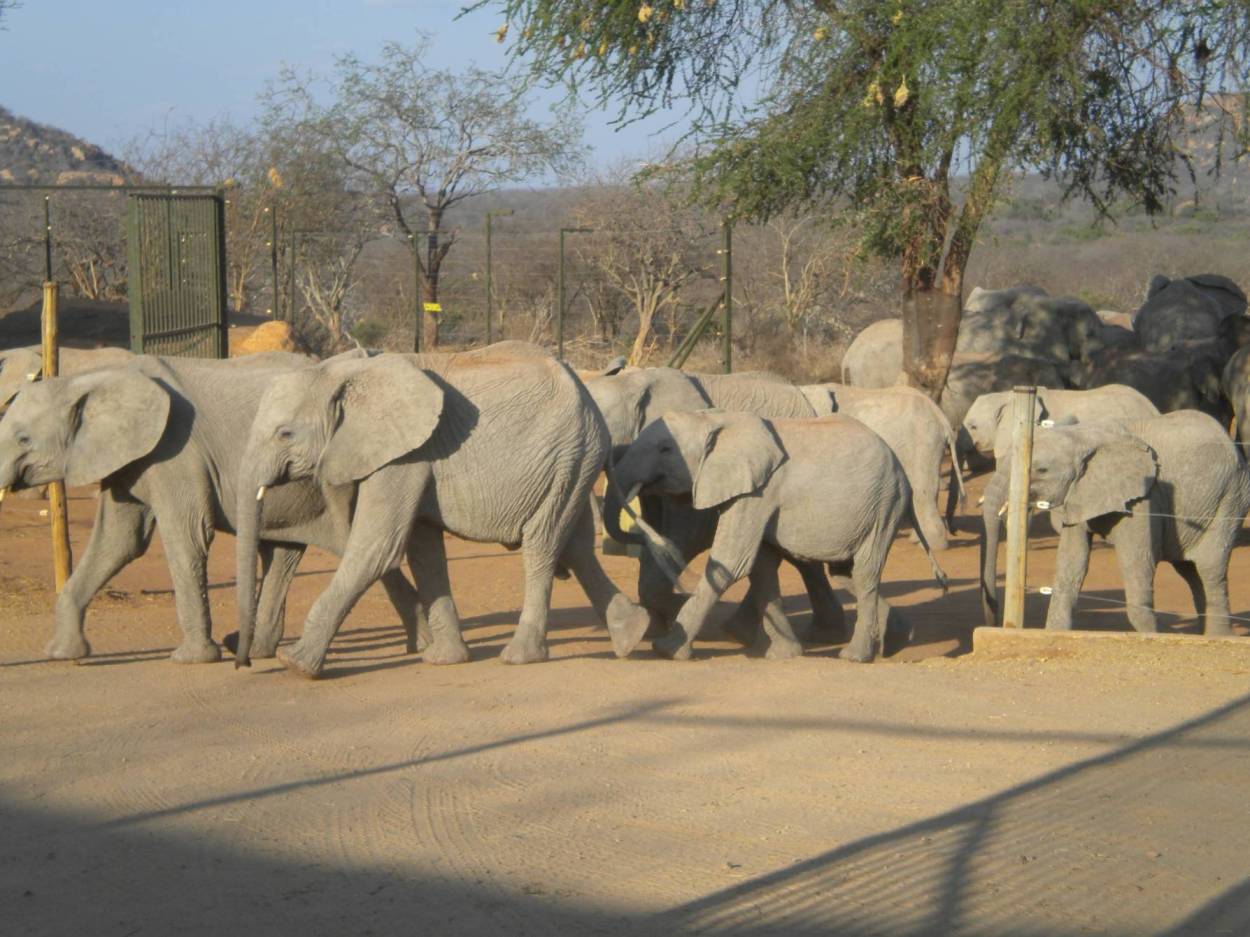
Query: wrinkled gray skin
(630, 401)
(828, 490)
(1189, 309)
(1184, 378)
(19, 366)
(1121, 482)
(499, 445)
(1236, 383)
(162, 437)
(989, 425)
(914, 428)
(875, 356)
(1025, 321)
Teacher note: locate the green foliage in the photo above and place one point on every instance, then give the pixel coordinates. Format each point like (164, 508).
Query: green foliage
(872, 108)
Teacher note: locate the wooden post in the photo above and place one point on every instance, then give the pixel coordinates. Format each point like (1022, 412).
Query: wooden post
(62, 559)
(1024, 400)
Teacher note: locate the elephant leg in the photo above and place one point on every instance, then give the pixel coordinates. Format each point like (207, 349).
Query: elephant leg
(924, 500)
(427, 557)
(386, 507)
(733, 554)
(828, 620)
(868, 636)
(1188, 571)
(122, 532)
(1213, 573)
(1071, 565)
(766, 592)
(278, 563)
(407, 604)
(626, 622)
(186, 549)
(1138, 573)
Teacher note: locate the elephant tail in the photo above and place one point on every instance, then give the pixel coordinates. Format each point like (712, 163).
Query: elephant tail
(938, 573)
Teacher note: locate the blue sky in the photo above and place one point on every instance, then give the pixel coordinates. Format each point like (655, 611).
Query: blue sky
(108, 71)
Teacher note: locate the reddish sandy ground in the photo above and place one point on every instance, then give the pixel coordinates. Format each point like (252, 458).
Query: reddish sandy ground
(928, 794)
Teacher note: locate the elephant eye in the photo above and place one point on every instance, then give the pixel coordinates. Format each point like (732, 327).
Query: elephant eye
(666, 448)
(285, 434)
(23, 440)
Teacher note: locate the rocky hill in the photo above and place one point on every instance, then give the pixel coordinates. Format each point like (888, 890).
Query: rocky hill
(37, 153)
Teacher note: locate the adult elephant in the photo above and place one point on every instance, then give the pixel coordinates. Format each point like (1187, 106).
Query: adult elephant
(875, 356)
(1166, 489)
(1025, 321)
(161, 436)
(1186, 377)
(632, 400)
(914, 428)
(500, 445)
(828, 490)
(1179, 312)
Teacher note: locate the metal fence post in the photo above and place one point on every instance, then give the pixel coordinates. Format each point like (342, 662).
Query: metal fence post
(62, 559)
(417, 318)
(727, 275)
(1023, 402)
(276, 311)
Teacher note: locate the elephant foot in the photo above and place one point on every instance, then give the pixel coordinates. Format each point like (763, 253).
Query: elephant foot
(626, 626)
(261, 650)
(525, 648)
(74, 647)
(673, 645)
(783, 649)
(447, 651)
(657, 625)
(859, 652)
(299, 661)
(231, 642)
(196, 652)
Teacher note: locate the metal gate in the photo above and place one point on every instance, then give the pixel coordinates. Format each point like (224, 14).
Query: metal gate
(177, 277)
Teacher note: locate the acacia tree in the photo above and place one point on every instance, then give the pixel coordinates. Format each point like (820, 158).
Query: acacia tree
(906, 117)
(424, 140)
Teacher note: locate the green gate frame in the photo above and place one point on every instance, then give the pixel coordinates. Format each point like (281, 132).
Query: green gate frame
(176, 243)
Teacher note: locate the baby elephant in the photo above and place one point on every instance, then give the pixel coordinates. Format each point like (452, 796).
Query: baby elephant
(828, 490)
(1167, 489)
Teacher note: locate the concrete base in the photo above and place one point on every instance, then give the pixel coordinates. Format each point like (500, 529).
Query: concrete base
(1001, 643)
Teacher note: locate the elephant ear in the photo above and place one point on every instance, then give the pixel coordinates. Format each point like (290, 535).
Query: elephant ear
(117, 416)
(821, 399)
(388, 407)
(1114, 474)
(739, 456)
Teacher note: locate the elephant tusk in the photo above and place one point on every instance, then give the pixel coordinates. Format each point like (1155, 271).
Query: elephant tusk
(1002, 510)
(3, 492)
(980, 500)
(260, 493)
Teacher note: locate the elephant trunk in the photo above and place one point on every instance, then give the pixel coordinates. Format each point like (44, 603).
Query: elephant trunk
(250, 503)
(613, 504)
(995, 498)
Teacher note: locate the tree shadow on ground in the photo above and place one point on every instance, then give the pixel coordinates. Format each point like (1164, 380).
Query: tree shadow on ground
(1108, 845)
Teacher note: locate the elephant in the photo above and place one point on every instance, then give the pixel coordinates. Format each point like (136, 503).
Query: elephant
(827, 489)
(1168, 489)
(971, 377)
(21, 365)
(630, 401)
(1178, 313)
(499, 445)
(161, 437)
(1229, 298)
(1188, 377)
(875, 356)
(989, 425)
(1236, 386)
(915, 428)
(1025, 321)
(1117, 330)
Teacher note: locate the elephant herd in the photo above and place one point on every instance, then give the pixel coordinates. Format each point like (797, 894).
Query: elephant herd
(373, 457)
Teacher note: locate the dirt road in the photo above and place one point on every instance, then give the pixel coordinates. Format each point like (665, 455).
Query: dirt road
(930, 794)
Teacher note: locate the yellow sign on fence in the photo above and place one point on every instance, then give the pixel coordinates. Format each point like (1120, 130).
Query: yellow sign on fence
(432, 307)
